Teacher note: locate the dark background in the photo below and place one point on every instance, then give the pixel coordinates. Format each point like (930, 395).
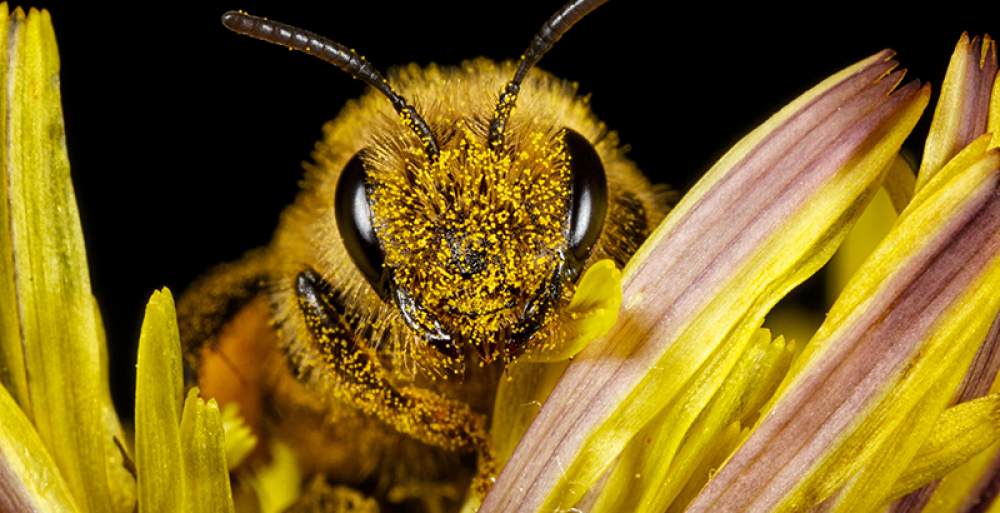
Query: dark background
(186, 140)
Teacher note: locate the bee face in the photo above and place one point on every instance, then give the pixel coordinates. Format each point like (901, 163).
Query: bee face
(476, 245)
(471, 238)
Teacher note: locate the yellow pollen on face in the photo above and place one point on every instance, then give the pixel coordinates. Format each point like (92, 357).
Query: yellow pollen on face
(473, 235)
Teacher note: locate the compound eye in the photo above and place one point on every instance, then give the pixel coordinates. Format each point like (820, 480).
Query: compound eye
(354, 220)
(588, 199)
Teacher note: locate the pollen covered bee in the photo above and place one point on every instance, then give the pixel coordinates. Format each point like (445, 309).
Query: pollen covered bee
(441, 232)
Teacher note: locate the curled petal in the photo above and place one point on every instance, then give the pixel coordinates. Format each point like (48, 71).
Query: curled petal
(592, 312)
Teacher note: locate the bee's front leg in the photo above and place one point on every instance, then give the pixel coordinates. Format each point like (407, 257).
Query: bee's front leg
(362, 382)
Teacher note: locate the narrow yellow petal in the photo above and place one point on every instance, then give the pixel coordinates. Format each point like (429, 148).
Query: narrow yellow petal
(51, 345)
(158, 398)
(993, 125)
(13, 374)
(961, 432)
(206, 476)
(240, 440)
(886, 453)
(121, 484)
(968, 483)
(279, 484)
(180, 450)
(962, 485)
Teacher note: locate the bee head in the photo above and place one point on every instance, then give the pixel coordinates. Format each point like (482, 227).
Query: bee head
(473, 239)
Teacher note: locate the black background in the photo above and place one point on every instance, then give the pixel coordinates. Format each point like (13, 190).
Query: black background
(187, 140)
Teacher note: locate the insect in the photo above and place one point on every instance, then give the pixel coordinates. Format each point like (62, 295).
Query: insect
(440, 233)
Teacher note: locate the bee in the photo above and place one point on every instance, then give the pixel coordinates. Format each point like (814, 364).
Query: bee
(441, 230)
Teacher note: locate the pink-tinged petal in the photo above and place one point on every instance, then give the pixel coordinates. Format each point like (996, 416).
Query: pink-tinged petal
(870, 385)
(993, 124)
(765, 217)
(963, 108)
(967, 110)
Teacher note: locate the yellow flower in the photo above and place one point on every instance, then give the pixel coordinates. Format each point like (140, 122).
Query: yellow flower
(889, 395)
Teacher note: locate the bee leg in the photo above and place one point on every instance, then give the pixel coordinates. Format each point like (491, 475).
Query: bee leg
(227, 338)
(362, 381)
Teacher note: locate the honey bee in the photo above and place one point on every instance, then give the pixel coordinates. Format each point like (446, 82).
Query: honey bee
(441, 230)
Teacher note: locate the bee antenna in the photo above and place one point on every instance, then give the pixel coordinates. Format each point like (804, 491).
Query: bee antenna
(552, 31)
(336, 54)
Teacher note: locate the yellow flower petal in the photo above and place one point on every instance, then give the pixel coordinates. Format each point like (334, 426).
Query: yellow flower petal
(592, 312)
(158, 403)
(206, 476)
(277, 485)
(180, 450)
(29, 478)
(900, 183)
(240, 440)
(961, 114)
(50, 344)
(960, 433)
(993, 124)
(964, 485)
(670, 450)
